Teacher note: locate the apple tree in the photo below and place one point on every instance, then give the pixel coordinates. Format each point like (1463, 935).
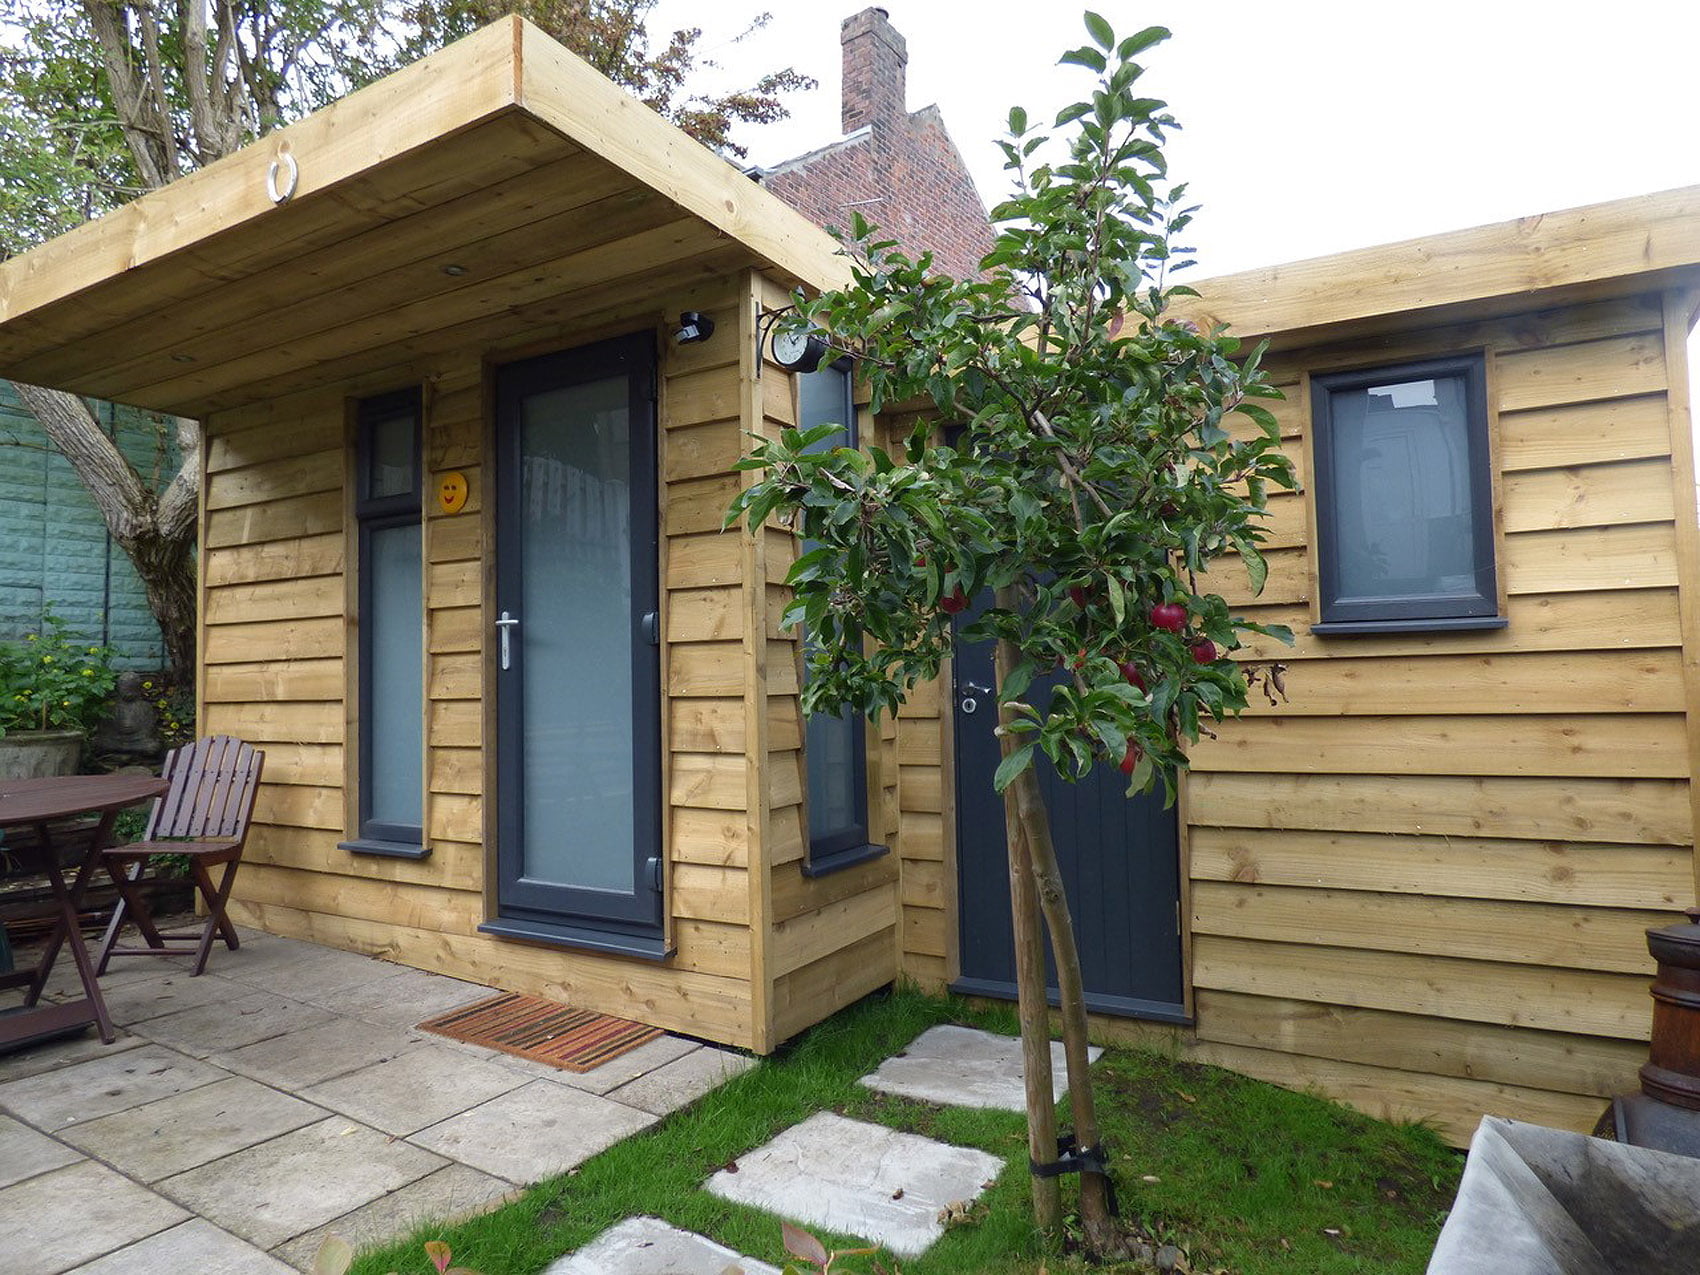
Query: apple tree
(1081, 465)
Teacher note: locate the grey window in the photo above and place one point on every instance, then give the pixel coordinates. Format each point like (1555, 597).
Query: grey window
(835, 747)
(390, 621)
(1404, 498)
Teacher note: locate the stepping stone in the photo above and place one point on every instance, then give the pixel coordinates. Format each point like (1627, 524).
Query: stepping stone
(859, 1179)
(649, 1246)
(963, 1067)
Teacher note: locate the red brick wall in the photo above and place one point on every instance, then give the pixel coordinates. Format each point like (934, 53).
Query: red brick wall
(904, 174)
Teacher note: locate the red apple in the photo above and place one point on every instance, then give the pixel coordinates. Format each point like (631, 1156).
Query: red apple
(1169, 615)
(1080, 658)
(1203, 651)
(1131, 672)
(920, 560)
(954, 601)
(1130, 759)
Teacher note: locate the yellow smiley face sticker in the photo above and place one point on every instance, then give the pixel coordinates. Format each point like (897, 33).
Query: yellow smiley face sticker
(451, 492)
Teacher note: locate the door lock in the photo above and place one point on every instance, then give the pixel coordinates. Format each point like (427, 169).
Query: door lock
(968, 691)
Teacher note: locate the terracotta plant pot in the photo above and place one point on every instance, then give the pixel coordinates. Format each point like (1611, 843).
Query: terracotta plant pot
(36, 754)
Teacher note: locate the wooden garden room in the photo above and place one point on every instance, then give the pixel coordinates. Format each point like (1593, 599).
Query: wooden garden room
(476, 351)
(495, 233)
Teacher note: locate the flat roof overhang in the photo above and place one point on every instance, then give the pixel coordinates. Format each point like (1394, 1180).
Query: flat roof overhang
(494, 188)
(1621, 248)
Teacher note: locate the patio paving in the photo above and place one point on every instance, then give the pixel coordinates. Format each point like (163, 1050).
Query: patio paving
(283, 1096)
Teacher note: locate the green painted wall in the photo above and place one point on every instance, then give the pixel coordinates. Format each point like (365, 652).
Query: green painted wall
(53, 545)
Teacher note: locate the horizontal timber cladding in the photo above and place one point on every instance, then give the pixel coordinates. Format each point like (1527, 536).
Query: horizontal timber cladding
(823, 941)
(1422, 882)
(760, 950)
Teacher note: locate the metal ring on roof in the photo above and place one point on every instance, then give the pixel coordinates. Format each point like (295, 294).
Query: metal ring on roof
(282, 195)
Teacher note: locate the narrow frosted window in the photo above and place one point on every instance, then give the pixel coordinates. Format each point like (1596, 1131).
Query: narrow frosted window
(576, 597)
(395, 676)
(391, 623)
(833, 745)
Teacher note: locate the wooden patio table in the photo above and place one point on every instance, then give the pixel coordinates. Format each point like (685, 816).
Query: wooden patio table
(40, 804)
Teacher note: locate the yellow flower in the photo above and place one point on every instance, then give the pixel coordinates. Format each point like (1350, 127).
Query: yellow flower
(30, 638)
(88, 672)
(47, 659)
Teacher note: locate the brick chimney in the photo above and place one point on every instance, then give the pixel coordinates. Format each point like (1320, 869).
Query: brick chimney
(875, 56)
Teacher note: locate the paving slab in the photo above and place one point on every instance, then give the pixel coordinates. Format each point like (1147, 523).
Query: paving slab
(25, 1153)
(138, 1000)
(318, 975)
(84, 1091)
(243, 1020)
(445, 1196)
(64, 1052)
(405, 997)
(310, 1055)
(65, 984)
(274, 1191)
(964, 1067)
(191, 1128)
(613, 1073)
(649, 1246)
(860, 1179)
(420, 1087)
(59, 1220)
(195, 1248)
(534, 1132)
(682, 1081)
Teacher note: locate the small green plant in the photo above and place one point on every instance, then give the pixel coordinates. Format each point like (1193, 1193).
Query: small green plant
(175, 709)
(54, 681)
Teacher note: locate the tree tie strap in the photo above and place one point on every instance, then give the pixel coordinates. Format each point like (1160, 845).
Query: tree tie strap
(1073, 1158)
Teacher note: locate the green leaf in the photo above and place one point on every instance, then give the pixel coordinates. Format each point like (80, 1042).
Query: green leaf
(1263, 416)
(1137, 44)
(1141, 777)
(1100, 31)
(1019, 679)
(1012, 766)
(1256, 568)
(1017, 121)
(1089, 58)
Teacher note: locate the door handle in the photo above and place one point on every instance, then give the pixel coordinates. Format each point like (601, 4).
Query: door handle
(502, 626)
(968, 691)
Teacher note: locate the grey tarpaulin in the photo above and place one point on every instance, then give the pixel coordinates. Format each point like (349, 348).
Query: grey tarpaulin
(1539, 1201)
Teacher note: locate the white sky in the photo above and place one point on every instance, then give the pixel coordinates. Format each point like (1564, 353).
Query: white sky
(1310, 126)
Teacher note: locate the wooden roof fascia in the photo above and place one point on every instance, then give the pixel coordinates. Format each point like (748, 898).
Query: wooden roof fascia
(450, 90)
(1641, 244)
(561, 90)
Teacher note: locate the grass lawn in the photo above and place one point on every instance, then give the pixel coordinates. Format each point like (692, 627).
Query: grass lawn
(1245, 1177)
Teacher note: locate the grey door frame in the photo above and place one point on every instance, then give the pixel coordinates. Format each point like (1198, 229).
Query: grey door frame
(629, 923)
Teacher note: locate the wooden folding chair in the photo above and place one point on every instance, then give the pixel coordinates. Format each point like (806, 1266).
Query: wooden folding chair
(204, 816)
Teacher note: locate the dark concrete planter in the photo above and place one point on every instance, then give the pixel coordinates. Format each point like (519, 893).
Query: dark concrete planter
(37, 754)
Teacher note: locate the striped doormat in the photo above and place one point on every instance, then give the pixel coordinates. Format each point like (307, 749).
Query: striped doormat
(531, 1027)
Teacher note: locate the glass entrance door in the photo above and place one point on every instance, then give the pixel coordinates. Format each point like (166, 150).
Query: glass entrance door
(578, 684)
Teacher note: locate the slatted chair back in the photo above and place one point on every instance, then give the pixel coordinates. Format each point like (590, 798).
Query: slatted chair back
(213, 785)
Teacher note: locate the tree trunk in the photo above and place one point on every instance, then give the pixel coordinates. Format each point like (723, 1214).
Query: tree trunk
(1029, 827)
(1029, 978)
(156, 530)
(1100, 1228)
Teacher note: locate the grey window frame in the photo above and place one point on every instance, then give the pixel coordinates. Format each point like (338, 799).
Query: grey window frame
(1418, 612)
(834, 849)
(373, 514)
